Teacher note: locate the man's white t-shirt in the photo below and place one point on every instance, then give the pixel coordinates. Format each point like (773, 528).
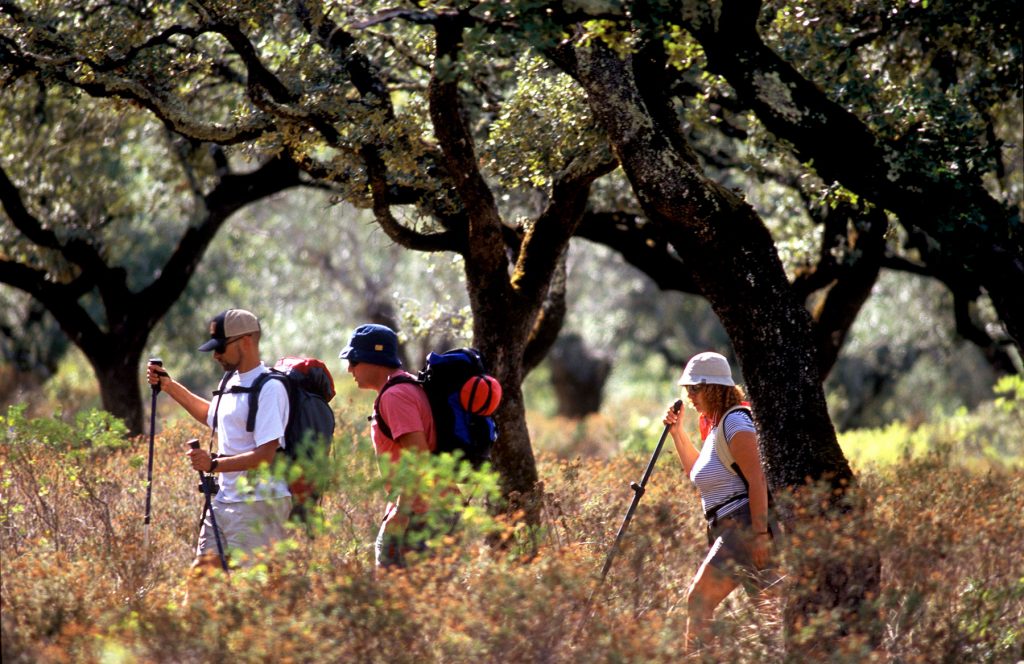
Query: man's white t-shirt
(232, 438)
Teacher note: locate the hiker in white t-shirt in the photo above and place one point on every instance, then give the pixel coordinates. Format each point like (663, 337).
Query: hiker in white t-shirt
(734, 498)
(252, 513)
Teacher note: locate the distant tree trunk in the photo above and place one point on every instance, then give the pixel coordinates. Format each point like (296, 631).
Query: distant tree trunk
(32, 343)
(113, 342)
(118, 376)
(577, 376)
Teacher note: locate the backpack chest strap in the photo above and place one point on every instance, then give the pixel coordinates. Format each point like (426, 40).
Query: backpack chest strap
(254, 395)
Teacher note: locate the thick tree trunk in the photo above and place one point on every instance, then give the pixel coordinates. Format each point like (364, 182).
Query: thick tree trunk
(733, 260)
(502, 338)
(514, 456)
(507, 300)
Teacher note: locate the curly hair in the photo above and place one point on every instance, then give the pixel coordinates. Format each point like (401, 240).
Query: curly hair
(719, 398)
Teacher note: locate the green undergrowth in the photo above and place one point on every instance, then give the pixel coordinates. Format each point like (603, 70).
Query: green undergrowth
(988, 436)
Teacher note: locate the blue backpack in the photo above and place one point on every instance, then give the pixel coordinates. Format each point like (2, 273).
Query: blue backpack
(458, 430)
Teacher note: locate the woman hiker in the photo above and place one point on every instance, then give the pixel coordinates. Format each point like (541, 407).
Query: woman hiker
(734, 504)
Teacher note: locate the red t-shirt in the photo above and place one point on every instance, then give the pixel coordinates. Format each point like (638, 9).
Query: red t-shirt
(406, 410)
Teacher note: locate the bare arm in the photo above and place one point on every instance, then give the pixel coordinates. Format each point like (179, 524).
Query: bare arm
(197, 407)
(744, 449)
(414, 440)
(684, 448)
(201, 459)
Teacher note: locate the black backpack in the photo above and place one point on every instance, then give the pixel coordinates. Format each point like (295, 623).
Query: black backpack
(310, 387)
(458, 429)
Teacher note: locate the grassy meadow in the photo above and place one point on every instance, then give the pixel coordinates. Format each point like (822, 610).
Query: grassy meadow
(83, 580)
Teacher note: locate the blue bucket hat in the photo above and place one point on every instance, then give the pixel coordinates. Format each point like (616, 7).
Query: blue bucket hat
(375, 344)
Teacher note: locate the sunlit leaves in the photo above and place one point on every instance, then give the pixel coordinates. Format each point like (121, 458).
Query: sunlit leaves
(928, 77)
(542, 127)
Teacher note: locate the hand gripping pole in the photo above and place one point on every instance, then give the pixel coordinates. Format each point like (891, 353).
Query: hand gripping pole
(206, 485)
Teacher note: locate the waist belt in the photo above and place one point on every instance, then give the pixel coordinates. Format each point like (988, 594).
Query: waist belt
(712, 514)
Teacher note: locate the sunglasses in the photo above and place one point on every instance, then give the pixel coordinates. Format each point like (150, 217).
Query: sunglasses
(222, 347)
(693, 389)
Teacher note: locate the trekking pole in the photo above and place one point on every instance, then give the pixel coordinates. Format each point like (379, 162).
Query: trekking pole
(152, 433)
(208, 491)
(638, 491)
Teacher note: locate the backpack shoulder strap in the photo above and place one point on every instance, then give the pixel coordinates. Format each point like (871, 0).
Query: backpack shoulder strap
(254, 394)
(722, 445)
(219, 392)
(377, 416)
(223, 381)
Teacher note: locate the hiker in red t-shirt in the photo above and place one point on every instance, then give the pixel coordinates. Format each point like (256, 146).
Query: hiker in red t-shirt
(373, 361)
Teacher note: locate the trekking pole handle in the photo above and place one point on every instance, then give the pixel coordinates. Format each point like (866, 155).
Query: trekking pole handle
(641, 487)
(160, 363)
(194, 444)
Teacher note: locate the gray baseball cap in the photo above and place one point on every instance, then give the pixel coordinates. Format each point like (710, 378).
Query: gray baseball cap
(228, 324)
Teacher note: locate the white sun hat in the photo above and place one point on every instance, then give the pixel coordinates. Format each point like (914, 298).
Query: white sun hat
(707, 367)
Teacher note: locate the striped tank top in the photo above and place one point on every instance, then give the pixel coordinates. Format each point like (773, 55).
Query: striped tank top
(717, 483)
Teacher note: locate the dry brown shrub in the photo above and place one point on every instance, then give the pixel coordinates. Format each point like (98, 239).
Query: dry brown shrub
(79, 586)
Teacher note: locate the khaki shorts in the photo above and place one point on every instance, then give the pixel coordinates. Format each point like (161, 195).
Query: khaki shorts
(730, 541)
(244, 527)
